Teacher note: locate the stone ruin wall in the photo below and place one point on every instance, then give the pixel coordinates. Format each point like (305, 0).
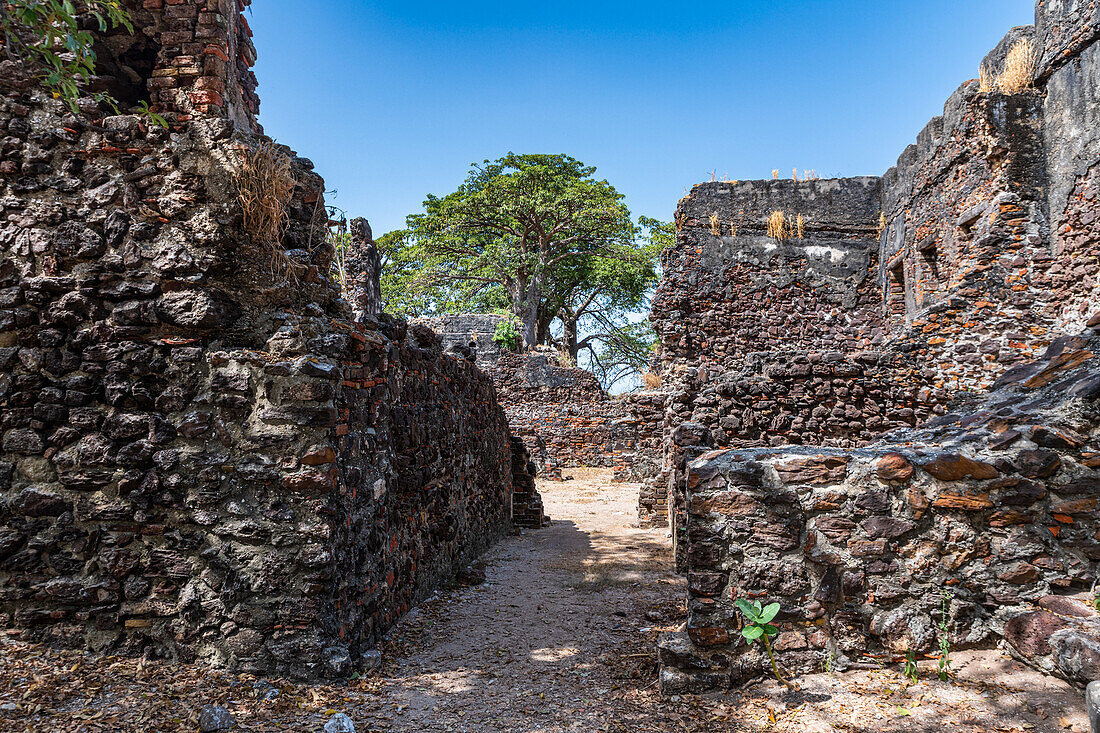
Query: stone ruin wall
(966, 246)
(982, 289)
(563, 415)
(203, 455)
(997, 507)
(638, 436)
(767, 342)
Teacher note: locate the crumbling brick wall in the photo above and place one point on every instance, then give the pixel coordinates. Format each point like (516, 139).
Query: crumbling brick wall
(208, 50)
(202, 453)
(562, 413)
(966, 241)
(639, 449)
(728, 289)
(1071, 133)
(771, 340)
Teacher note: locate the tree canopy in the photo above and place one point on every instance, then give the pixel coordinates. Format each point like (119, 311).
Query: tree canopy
(536, 236)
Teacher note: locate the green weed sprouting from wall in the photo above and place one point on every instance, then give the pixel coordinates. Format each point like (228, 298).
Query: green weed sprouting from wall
(944, 636)
(909, 669)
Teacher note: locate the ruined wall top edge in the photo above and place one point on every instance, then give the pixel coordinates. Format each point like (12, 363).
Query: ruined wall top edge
(833, 202)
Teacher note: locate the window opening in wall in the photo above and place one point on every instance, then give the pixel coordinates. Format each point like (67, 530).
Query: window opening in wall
(124, 66)
(929, 251)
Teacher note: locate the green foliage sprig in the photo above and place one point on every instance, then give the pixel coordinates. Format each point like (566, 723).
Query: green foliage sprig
(507, 335)
(45, 36)
(945, 637)
(148, 113)
(910, 669)
(758, 626)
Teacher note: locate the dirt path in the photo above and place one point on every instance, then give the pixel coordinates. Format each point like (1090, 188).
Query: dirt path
(561, 637)
(540, 645)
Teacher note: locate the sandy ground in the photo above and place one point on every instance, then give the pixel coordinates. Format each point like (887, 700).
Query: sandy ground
(559, 638)
(547, 643)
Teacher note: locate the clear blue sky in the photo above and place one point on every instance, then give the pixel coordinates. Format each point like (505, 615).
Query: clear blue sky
(394, 99)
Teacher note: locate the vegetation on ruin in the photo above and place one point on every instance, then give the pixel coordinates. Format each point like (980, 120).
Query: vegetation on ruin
(781, 227)
(507, 335)
(987, 79)
(51, 39)
(541, 238)
(1018, 73)
(758, 626)
(944, 637)
(340, 241)
(265, 184)
(909, 667)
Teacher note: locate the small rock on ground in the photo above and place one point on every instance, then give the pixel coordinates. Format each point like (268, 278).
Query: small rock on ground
(372, 660)
(213, 718)
(339, 723)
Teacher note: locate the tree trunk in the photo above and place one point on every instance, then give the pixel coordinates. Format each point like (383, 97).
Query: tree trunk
(569, 333)
(530, 315)
(544, 330)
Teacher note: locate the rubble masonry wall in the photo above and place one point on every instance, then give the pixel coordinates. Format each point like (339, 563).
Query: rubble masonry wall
(203, 455)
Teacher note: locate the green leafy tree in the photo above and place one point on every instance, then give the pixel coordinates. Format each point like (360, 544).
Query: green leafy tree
(533, 231)
(506, 335)
(47, 38)
(603, 316)
(406, 293)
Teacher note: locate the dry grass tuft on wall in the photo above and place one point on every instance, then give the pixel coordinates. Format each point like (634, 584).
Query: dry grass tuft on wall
(565, 359)
(1018, 73)
(781, 227)
(715, 227)
(651, 380)
(987, 79)
(265, 185)
(777, 226)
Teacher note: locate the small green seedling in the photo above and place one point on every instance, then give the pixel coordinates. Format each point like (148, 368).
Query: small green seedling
(910, 668)
(945, 637)
(147, 112)
(759, 626)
